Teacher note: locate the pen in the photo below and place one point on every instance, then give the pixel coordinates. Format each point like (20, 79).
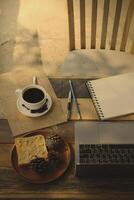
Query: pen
(69, 105)
(74, 98)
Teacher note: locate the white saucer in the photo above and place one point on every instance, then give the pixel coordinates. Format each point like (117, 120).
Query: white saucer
(27, 113)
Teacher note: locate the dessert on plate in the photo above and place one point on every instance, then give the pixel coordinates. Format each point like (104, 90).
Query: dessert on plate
(39, 153)
(29, 148)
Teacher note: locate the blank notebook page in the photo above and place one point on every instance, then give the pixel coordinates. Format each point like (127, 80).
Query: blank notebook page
(114, 95)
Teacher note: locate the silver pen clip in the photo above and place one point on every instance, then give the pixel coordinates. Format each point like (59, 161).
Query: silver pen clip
(75, 99)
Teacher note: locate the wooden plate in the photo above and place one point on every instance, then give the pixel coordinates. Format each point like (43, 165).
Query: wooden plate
(31, 176)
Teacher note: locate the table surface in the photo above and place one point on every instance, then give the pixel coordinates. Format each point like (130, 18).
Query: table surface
(68, 186)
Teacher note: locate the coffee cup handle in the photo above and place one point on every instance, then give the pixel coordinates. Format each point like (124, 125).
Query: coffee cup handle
(35, 80)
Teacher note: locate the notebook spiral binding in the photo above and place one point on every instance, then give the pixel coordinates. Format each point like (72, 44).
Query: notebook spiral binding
(95, 100)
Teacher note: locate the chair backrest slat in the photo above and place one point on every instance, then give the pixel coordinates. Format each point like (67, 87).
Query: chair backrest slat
(115, 16)
(116, 24)
(93, 23)
(82, 24)
(104, 24)
(71, 24)
(132, 48)
(127, 25)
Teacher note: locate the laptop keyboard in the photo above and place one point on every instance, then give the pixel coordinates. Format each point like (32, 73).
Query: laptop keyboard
(106, 154)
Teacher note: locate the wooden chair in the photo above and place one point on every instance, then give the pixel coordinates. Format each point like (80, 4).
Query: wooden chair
(102, 58)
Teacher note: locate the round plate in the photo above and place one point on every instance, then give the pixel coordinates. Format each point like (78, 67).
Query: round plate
(31, 176)
(27, 113)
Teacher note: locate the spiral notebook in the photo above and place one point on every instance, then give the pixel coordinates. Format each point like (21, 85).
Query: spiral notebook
(113, 96)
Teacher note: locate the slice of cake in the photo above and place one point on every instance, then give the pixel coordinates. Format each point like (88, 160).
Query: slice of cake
(29, 148)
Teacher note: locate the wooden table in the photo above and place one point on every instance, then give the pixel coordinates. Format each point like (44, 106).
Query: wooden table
(66, 187)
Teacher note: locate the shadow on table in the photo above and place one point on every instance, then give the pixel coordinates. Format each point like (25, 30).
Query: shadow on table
(8, 26)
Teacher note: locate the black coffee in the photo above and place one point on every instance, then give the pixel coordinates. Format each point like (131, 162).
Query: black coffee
(33, 95)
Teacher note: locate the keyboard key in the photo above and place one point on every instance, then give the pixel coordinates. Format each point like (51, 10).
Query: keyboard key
(106, 154)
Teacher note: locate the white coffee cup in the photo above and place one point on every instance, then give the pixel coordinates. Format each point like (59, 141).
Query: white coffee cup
(29, 104)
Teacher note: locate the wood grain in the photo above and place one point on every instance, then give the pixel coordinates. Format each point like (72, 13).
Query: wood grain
(127, 25)
(67, 187)
(70, 8)
(132, 48)
(61, 87)
(87, 109)
(5, 151)
(5, 132)
(82, 24)
(93, 24)
(104, 24)
(108, 26)
(116, 24)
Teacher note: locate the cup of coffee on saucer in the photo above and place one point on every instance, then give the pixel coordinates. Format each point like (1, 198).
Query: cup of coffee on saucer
(33, 100)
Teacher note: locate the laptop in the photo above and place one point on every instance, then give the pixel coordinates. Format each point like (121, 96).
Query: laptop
(104, 148)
